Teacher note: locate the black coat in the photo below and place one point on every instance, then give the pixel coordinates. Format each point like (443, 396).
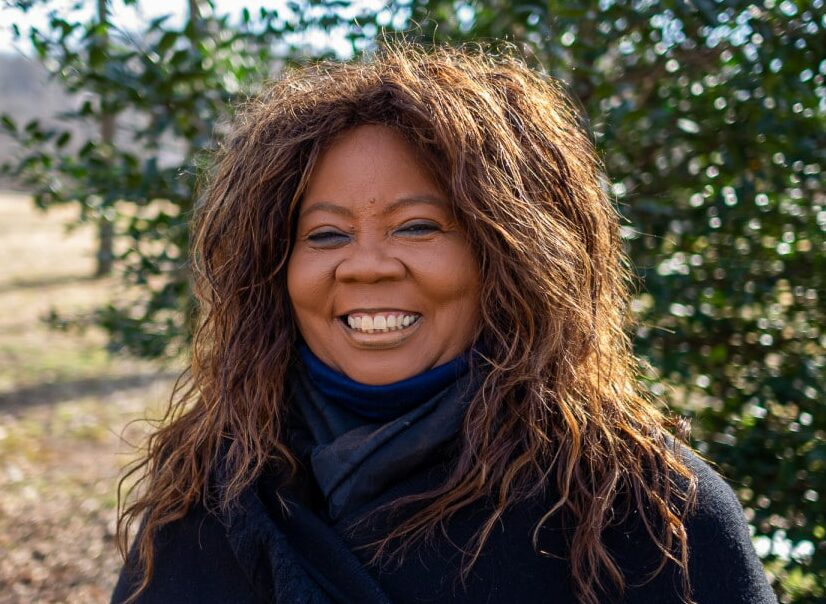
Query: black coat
(259, 555)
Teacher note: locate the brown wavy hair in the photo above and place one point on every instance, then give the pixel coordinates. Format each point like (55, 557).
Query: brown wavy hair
(560, 400)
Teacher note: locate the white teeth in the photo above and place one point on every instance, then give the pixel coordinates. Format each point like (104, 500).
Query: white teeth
(367, 324)
(381, 323)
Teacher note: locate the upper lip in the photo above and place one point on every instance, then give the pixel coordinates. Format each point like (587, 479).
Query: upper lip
(373, 311)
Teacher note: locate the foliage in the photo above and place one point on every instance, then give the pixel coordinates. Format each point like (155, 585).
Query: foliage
(169, 89)
(710, 120)
(710, 117)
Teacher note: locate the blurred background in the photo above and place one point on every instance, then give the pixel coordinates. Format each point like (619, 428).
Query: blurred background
(708, 114)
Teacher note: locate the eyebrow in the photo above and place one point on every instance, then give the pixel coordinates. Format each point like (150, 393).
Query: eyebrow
(328, 206)
(413, 200)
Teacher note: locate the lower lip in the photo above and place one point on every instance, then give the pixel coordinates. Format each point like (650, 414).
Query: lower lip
(380, 339)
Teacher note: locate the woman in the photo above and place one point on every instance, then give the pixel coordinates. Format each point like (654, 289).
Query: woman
(412, 380)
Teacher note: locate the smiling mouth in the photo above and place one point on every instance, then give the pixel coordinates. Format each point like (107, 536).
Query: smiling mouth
(383, 322)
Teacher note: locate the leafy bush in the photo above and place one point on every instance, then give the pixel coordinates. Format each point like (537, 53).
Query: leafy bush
(710, 120)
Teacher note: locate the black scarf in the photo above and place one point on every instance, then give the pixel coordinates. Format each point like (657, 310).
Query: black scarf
(355, 460)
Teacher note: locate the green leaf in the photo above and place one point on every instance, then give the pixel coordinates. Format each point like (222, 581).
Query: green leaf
(167, 41)
(63, 139)
(97, 57)
(8, 124)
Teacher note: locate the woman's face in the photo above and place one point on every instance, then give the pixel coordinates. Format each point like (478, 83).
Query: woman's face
(382, 279)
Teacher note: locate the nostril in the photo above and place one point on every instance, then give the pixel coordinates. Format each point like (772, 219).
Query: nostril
(370, 268)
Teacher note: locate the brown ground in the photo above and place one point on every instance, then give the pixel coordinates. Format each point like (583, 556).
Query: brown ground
(63, 406)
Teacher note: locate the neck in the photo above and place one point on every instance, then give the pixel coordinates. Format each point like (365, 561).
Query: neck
(385, 402)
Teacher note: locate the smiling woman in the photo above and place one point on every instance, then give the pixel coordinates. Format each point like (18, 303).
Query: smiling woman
(382, 280)
(412, 380)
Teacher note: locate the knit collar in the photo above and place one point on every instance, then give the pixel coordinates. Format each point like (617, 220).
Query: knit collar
(380, 403)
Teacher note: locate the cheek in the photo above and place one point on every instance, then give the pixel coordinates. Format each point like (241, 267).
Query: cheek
(452, 278)
(295, 281)
(307, 286)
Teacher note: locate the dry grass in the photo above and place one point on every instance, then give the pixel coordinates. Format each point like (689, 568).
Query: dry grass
(63, 406)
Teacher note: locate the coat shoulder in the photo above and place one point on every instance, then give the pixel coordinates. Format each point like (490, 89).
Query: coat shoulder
(723, 564)
(193, 562)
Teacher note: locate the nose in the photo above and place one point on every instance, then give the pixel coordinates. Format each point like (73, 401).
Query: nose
(370, 264)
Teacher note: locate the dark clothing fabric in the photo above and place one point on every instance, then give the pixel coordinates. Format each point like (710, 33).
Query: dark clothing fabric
(354, 460)
(308, 550)
(260, 555)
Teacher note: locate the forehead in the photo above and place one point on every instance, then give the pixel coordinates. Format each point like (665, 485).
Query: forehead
(371, 167)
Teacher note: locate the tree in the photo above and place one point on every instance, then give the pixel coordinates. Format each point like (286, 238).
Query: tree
(710, 119)
(107, 138)
(171, 88)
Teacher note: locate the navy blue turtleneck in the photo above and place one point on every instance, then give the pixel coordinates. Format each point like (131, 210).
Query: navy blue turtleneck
(380, 403)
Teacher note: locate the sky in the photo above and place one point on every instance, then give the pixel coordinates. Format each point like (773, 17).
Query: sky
(129, 17)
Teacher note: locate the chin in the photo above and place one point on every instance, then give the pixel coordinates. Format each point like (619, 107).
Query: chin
(380, 377)
(380, 367)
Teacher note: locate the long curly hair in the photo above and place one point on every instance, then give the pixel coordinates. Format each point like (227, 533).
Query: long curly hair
(560, 400)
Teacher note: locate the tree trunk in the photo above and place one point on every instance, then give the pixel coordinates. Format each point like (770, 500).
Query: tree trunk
(106, 231)
(194, 10)
(197, 30)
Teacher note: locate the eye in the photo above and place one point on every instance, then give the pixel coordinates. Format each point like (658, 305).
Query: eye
(419, 228)
(328, 238)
